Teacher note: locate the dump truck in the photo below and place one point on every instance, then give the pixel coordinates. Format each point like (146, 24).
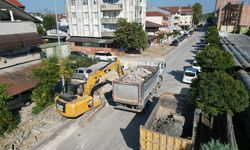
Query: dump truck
(170, 125)
(137, 86)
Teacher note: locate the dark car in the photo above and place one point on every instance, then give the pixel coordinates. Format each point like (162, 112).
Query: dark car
(185, 35)
(181, 38)
(78, 53)
(191, 32)
(175, 42)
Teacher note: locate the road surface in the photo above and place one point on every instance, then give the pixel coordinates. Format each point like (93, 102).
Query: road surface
(113, 129)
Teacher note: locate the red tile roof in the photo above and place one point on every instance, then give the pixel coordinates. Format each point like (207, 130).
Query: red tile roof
(178, 9)
(155, 13)
(16, 3)
(174, 9)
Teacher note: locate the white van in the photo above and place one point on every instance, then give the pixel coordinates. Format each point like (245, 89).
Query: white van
(189, 75)
(105, 56)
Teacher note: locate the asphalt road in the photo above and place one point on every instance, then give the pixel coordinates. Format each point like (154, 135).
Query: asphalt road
(113, 129)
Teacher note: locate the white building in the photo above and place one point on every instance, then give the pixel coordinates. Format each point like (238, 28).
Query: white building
(98, 18)
(181, 17)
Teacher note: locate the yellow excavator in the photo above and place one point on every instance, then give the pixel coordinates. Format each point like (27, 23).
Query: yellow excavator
(79, 96)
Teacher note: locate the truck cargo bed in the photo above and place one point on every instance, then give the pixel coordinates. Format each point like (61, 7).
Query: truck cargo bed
(171, 119)
(135, 87)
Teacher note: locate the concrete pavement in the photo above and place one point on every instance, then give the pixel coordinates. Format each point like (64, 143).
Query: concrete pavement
(113, 129)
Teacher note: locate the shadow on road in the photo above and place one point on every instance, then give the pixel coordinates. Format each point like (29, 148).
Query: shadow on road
(177, 74)
(190, 61)
(131, 133)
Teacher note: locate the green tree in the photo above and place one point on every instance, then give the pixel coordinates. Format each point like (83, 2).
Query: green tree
(212, 58)
(212, 36)
(7, 121)
(49, 22)
(40, 30)
(215, 145)
(217, 93)
(197, 15)
(48, 75)
(131, 35)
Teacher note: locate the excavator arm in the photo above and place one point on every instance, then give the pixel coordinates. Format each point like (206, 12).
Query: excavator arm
(98, 74)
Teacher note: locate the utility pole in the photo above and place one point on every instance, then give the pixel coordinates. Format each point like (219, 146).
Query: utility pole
(59, 45)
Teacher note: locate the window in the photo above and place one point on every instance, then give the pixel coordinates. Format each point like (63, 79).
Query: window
(85, 2)
(73, 2)
(95, 14)
(96, 27)
(86, 27)
(95, 2)
(86, 15)
(74, 15)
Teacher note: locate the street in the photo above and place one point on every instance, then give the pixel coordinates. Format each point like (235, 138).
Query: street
(113, 129)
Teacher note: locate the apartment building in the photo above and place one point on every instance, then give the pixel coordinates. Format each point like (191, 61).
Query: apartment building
(181, 17)
(92, 23)
(232, 15)
(159, 16)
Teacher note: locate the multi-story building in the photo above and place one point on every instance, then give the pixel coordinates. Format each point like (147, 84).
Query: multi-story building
(232, 15)
(159, 16)
(92, 23)
(181, 17)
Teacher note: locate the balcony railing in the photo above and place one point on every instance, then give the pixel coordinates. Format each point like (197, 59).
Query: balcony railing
(110, 7)
(109, 20)
(108, 33)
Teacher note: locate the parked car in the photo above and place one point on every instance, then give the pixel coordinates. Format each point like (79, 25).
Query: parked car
(203, 42)
(175, 43)
(185, 35)
(191, 32)
(105, 56)
(181, 38)
(78, 53)
(195, 66)
(189, 75)
(82, 73)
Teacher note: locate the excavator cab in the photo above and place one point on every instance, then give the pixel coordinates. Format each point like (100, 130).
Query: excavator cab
(75, 88)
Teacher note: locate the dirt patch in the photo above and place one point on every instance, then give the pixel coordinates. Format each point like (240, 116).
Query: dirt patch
(170, 126)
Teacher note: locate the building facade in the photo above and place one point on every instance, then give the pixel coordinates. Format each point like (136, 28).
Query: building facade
(232, 15)
(98, 18)
(181, 17)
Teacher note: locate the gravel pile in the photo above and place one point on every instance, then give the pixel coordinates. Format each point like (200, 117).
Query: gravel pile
(137, 75)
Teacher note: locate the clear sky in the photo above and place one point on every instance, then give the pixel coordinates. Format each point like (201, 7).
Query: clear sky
(48, 5)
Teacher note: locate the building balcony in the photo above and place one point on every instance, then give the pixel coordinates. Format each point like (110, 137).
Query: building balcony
(108, 33)
(109, 20)
(17, 27)
(111, 7)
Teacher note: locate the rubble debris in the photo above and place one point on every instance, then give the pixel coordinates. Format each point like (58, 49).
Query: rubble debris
(137, 75)
(168, 126)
